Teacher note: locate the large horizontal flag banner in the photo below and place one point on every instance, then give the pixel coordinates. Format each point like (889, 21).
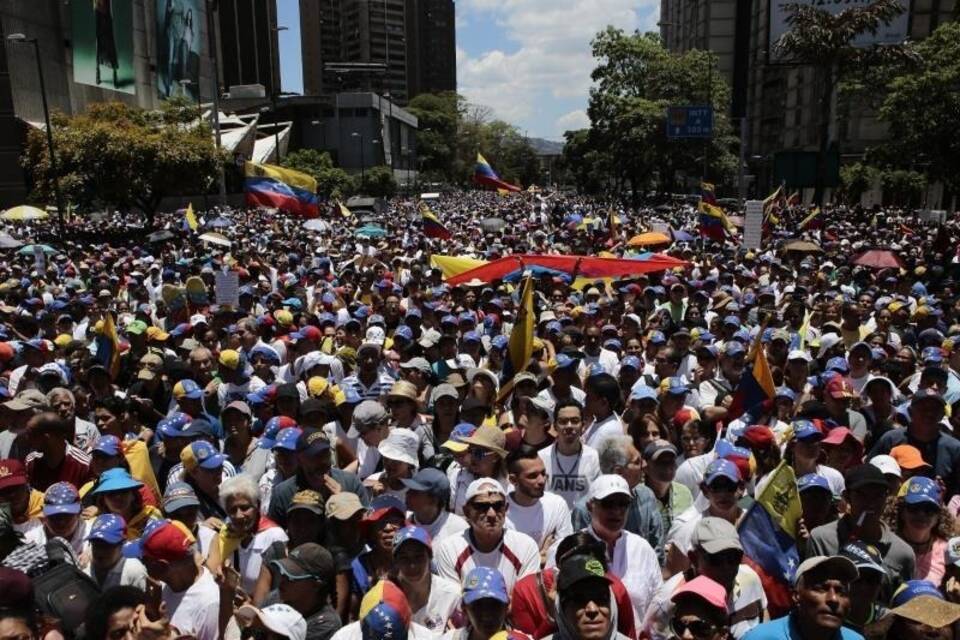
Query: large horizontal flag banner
(483, 174)
(271, 186)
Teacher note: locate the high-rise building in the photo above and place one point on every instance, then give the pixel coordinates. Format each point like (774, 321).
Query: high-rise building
(393, 47)
(247, 38)
(776, 103)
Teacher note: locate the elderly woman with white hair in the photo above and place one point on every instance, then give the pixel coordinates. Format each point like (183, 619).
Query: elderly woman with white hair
(245, 535)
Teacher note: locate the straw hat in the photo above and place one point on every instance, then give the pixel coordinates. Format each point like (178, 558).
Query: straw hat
(403, 389)
(490, 438)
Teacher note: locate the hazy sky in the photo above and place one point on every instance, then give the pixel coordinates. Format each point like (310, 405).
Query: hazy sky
(529, 60)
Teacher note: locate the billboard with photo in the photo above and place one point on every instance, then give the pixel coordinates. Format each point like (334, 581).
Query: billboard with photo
(103, 44)
(178, 47)
(893, 33)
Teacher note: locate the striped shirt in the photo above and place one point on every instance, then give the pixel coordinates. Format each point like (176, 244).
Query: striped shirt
(74, 468)
(515, 557)
(375, 391)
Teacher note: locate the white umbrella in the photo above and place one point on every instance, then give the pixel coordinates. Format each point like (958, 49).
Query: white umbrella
(216, 238)
(315, 224)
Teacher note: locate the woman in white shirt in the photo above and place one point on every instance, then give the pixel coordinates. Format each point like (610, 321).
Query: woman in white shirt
(434, 600)
(247, 534)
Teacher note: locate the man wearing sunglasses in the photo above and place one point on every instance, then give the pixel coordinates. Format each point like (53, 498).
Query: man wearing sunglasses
(584, 595)
(716, 555)
(821, 597)
(487, 543)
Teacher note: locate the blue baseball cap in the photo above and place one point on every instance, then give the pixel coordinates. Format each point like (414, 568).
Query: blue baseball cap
(376, 318)
(403, 331)
(786, 392)
(640, 391)
(933, 355)
(920, 490)
(500, 342)
(913, 588)
(117, 479)
(202, 454)
(268, 353)
(410, 532)
(134, 549)
(564, 361)
(733, 348)
(179, 495)
(656, 337)
(721, 469)
(60, 498)
(414, 312)
(428, 480)
(107, 445)
(806, 431)
(734, 320)
(187, 389)
(484, 582)
(631, 361)
(287, 438)
(199, 428)
(471, 336)
(612, 344)
(813, 481)
(675, 386)
(838, 364)
(448, 319)
(173, 425)
(109, 528)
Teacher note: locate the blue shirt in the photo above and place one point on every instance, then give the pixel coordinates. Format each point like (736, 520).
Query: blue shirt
(785, 629)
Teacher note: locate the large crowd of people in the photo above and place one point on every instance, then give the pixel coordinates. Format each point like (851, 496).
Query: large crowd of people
(297, 432)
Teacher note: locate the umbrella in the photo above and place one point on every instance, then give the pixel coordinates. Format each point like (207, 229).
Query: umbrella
(370, 231)
(160, 236)
(878, 259)
(803, 246)
(219, 223)
(679, 235)
(315, 224)
(32, 248)
(216, 238)
(586, 266)
(24, 212)
(649, 238)
(9, 242)
(492, 225)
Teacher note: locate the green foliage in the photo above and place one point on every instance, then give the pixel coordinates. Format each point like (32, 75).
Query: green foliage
(902, 187)
(124, 156)
(379, 182)
(921, 106)
(438, 116)
(626, 147)
(332, 182)
(825, 41)
(856, 179)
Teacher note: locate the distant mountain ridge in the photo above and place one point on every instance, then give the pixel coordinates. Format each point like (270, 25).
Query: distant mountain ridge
(546, 147)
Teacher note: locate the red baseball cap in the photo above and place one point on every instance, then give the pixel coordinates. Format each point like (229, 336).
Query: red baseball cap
(705, 589)
(169, 542)
(839, 388)
(759, 436)
(12, 473)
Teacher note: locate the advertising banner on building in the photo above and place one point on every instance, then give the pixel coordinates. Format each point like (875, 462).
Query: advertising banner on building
(893, 33)
(103, 44)
(178, 47)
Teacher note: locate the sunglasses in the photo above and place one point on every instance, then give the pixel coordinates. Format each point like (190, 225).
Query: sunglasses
(697, 628)
(731, 557)
(483, 507)
(580, 599)
(478, 453)
(926, 509)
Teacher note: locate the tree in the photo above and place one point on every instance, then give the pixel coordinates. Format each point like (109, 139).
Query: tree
(825, 42)
(124, 156)
(332, 182)
(379, 182)
(902, 187)
(438, 116)
(586, 163)
(856, 179)
(636, 79)
(921, 106)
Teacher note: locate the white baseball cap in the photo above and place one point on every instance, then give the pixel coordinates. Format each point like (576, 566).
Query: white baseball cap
(483, 485)
(282, 619)
(375, 335)
(799, 354)
(608, 485)
(401, 445)
(886, 464)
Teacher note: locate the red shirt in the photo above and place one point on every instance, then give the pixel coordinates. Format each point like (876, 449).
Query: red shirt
(528, 612)
(75, 469)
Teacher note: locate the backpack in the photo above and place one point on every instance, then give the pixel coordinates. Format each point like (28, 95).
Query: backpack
(64, 591)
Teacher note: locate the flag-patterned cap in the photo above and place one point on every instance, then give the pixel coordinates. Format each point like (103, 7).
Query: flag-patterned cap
(109, 528)
(60, 498)
(484, 582)
(385, 613)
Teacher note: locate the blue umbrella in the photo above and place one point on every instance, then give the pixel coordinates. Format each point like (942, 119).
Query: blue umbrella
(679, 235)
(219, 223)
(30, 248)
(370, 231)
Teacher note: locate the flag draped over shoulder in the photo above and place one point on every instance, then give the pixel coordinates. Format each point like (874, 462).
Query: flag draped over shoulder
(714, 223)
(520, 347)
(756, 383)
(768, 533)
(108, 346)
(483, 174)
(267, 185)
(432, 227)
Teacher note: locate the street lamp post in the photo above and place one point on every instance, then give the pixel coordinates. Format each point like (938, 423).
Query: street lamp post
(212, 7)
(275, 89)
(19, 37)
(362, 164)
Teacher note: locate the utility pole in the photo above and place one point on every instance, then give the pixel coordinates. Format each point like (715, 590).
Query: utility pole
(212, 6)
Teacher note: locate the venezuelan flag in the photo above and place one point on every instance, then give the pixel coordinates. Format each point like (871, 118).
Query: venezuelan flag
(108, 345)
(483, 174)
(768, 533)
(520, 347)
(773, 200)
(714, 222)
(708, 193)
(432, 227)
(191, 218)
(756, 383)
(811, 221)
(272, 186)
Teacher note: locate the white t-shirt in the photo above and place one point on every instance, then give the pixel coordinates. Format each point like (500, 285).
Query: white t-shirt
(447, 524)
(443, 602)
(609, 427)
(576, 393)
(353, 632)
(549, 516)
(251, 556)
(127, 572)
(517, 556)
(747, 590)
(570, 476)
(690, 472)
(77, 542)
(369, 458)
(196, 611)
